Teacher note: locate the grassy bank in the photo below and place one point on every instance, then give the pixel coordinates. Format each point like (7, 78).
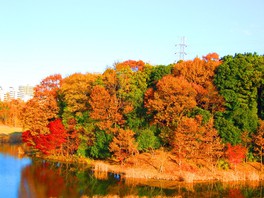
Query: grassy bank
(148, 168)
(4, 129)
(10, 134)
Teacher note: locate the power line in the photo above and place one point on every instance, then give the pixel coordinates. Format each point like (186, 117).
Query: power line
(181, 46)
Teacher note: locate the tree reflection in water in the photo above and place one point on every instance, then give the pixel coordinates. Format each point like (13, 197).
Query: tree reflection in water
(50, 179)
(40, 178)
(41, 181)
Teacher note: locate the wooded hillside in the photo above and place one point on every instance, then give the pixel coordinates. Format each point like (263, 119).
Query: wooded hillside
(203, 111)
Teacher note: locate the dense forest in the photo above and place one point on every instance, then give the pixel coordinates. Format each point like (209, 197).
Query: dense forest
(202, 111)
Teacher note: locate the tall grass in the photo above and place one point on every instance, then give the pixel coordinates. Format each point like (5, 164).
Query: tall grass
(101, 167)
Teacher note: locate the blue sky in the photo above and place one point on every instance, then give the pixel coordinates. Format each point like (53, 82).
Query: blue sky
(39, 38)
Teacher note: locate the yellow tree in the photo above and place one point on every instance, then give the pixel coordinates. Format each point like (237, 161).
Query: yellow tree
(4, 112)
(10, 111)
(127, 81)
(15, 108)
(110, 81)
(75, 91)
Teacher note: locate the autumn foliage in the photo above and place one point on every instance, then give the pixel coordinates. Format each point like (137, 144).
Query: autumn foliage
(134, 65)
(200, 72)
(197, 141)
(123, 145)
(48, 143)
(105, 109)
(259, 141)
(193, 109)
(236, 154)
(173, 97)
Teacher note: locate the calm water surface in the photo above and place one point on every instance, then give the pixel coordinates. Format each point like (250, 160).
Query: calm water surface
(21, 176)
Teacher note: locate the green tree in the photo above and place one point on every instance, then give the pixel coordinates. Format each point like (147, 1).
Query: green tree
(147, 140)
(240, 81)
(157, 73)
(100, 148)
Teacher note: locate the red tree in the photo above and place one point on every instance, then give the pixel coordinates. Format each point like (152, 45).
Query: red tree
(235, 193)
(43, 107)
(236, 154)
(47, 143)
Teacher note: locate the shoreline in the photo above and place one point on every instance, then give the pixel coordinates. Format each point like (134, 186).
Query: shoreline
(244, 172)
(147, 166)
(11, 138)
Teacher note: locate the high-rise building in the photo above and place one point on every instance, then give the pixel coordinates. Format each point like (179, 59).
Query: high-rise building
(1, 94)
(10, 94)
(25, 92)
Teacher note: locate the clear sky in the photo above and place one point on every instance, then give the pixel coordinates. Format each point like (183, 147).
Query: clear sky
(43, 37)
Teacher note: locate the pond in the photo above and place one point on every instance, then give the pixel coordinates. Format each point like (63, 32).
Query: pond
(21, 176)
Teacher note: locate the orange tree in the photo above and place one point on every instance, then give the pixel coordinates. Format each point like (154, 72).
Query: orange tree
(200, 72)
(197, 141)
(127, 82)
(173, 98)
(123, 145)
(107, 117)
(10, 112)
(74, 97)
(258, 140)
(105, 109)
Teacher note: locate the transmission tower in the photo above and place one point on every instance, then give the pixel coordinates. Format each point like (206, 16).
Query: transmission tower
(181, 46)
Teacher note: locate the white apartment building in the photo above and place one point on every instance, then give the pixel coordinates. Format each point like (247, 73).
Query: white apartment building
(1, 94)
(10, 94)
(24, 93)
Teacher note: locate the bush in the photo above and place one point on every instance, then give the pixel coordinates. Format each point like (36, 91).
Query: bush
(147, 140)
(223, 164)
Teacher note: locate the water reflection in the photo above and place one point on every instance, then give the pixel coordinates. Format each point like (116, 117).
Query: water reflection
(24, 177)
(48, 179)
(10, 170)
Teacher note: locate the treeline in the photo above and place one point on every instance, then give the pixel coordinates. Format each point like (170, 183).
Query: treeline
(10, 112)
(199, 110)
